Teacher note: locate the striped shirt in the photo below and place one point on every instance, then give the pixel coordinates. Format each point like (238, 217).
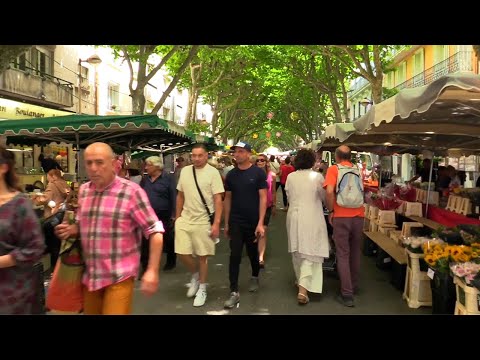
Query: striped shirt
(111, 224)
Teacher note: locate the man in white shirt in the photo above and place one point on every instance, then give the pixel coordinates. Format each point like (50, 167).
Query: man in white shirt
(195, 230)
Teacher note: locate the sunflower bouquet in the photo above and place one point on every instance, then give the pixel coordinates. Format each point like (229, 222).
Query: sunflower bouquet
(440, 256)
(437, 256)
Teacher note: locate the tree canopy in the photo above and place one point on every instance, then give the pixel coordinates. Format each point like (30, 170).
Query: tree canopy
(268, 95)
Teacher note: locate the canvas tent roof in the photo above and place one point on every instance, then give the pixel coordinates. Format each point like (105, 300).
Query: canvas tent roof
(123, 132)
(388, 143)
(450, 106)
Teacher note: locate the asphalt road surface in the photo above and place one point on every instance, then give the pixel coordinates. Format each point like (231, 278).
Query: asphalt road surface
(277, 293)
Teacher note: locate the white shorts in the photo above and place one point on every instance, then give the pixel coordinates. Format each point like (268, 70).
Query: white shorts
(193, 239)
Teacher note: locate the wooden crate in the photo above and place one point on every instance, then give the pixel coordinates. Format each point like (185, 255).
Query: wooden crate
(386, 228)
(413, 208)
(372, 212)
(468, 298)
(407, 227)
(396, 235)
(385, 217)
(417, 290)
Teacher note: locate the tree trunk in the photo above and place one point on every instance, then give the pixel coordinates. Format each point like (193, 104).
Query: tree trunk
(336, 107)
(188, 115)
(194, 107)
(138, 102)
(193, 51)
(214, 121)
(377, 90)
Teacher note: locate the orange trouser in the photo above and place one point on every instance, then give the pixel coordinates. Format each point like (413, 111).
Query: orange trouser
(115, 299)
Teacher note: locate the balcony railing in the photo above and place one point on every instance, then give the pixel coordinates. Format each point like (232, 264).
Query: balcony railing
(42, 89)
(358, 84)
(460, 61)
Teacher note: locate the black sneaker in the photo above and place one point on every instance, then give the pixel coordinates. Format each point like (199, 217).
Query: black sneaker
(345, 300)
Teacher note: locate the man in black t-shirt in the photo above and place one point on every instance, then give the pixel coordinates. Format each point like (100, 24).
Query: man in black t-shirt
(245, 205)
(424, 173)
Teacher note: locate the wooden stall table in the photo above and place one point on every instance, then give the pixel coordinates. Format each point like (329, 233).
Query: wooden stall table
(396, 251)
(427, 222)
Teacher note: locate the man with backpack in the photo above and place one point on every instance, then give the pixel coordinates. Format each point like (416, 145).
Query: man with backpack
(344, 200)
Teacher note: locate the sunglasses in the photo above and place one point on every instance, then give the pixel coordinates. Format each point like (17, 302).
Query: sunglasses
(261, 160)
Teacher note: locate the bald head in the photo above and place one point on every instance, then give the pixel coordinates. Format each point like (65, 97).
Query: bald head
(101, 148)
(343, 153)
(100, 161)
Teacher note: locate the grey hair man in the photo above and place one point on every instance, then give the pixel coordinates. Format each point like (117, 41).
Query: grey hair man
(161, 192)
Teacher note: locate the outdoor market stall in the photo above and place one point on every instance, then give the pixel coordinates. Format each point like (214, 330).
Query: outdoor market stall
(123, 133)
(447, 114)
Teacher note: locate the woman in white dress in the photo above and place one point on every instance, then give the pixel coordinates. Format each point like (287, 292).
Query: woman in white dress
(306, 228)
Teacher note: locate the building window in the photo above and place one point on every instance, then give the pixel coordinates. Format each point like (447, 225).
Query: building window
(401, 73)
(38, 59)
(166, 112)
(418, 63)
(440, 53)
(20, 62)
(84, 77)
(113, 91)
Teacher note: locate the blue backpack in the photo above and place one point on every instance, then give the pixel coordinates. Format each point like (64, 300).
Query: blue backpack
(349, 187)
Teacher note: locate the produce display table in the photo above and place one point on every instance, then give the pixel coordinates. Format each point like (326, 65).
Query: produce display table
(396, 251)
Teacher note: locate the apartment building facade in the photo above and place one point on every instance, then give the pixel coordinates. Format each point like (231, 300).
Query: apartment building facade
(415, 66)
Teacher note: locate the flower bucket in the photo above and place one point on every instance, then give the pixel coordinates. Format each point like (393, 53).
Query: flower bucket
(443, 293)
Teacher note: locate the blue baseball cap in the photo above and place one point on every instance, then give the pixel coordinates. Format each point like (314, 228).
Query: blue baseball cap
(243, 145)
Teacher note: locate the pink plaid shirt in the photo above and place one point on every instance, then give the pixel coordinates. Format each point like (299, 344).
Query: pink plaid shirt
(111, 223)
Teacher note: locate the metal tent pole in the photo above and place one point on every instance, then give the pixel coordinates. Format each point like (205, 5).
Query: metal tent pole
(429, 183)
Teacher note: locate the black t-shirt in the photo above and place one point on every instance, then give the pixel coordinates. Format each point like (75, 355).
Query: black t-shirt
(244, 185)
(425, 175)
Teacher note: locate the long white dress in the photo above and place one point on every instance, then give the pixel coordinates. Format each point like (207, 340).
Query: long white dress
(306, 228)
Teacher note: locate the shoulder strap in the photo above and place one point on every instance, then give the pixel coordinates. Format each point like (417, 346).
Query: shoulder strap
(199, 191)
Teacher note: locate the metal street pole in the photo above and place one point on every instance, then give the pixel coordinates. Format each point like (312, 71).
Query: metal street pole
(79, 86)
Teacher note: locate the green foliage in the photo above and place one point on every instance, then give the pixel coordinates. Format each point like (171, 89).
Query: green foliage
(388, 93)
(243, 83)
(198, 127)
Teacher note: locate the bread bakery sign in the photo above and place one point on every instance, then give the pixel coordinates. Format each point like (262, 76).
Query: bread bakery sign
(14, 110)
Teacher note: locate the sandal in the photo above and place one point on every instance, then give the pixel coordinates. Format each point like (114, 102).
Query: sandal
(302, 299)
(262, 264)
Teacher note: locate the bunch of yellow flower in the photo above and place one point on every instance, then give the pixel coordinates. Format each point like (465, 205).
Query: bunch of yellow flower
(438, 256)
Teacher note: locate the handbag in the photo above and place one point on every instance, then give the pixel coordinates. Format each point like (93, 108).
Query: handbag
(66, 290)
(211, 216)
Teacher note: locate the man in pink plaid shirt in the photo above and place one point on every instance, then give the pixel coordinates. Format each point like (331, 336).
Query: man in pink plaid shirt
(111, 214)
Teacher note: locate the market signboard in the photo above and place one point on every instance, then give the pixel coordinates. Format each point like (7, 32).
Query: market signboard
(14, 110)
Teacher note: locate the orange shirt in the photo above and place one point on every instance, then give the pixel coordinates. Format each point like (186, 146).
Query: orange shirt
(331, 179)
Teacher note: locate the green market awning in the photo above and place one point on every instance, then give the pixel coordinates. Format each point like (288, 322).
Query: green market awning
(122, 132)
(208, 141)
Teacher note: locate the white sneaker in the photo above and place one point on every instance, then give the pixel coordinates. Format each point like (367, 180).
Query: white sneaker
(200, 298)
(193, 288)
